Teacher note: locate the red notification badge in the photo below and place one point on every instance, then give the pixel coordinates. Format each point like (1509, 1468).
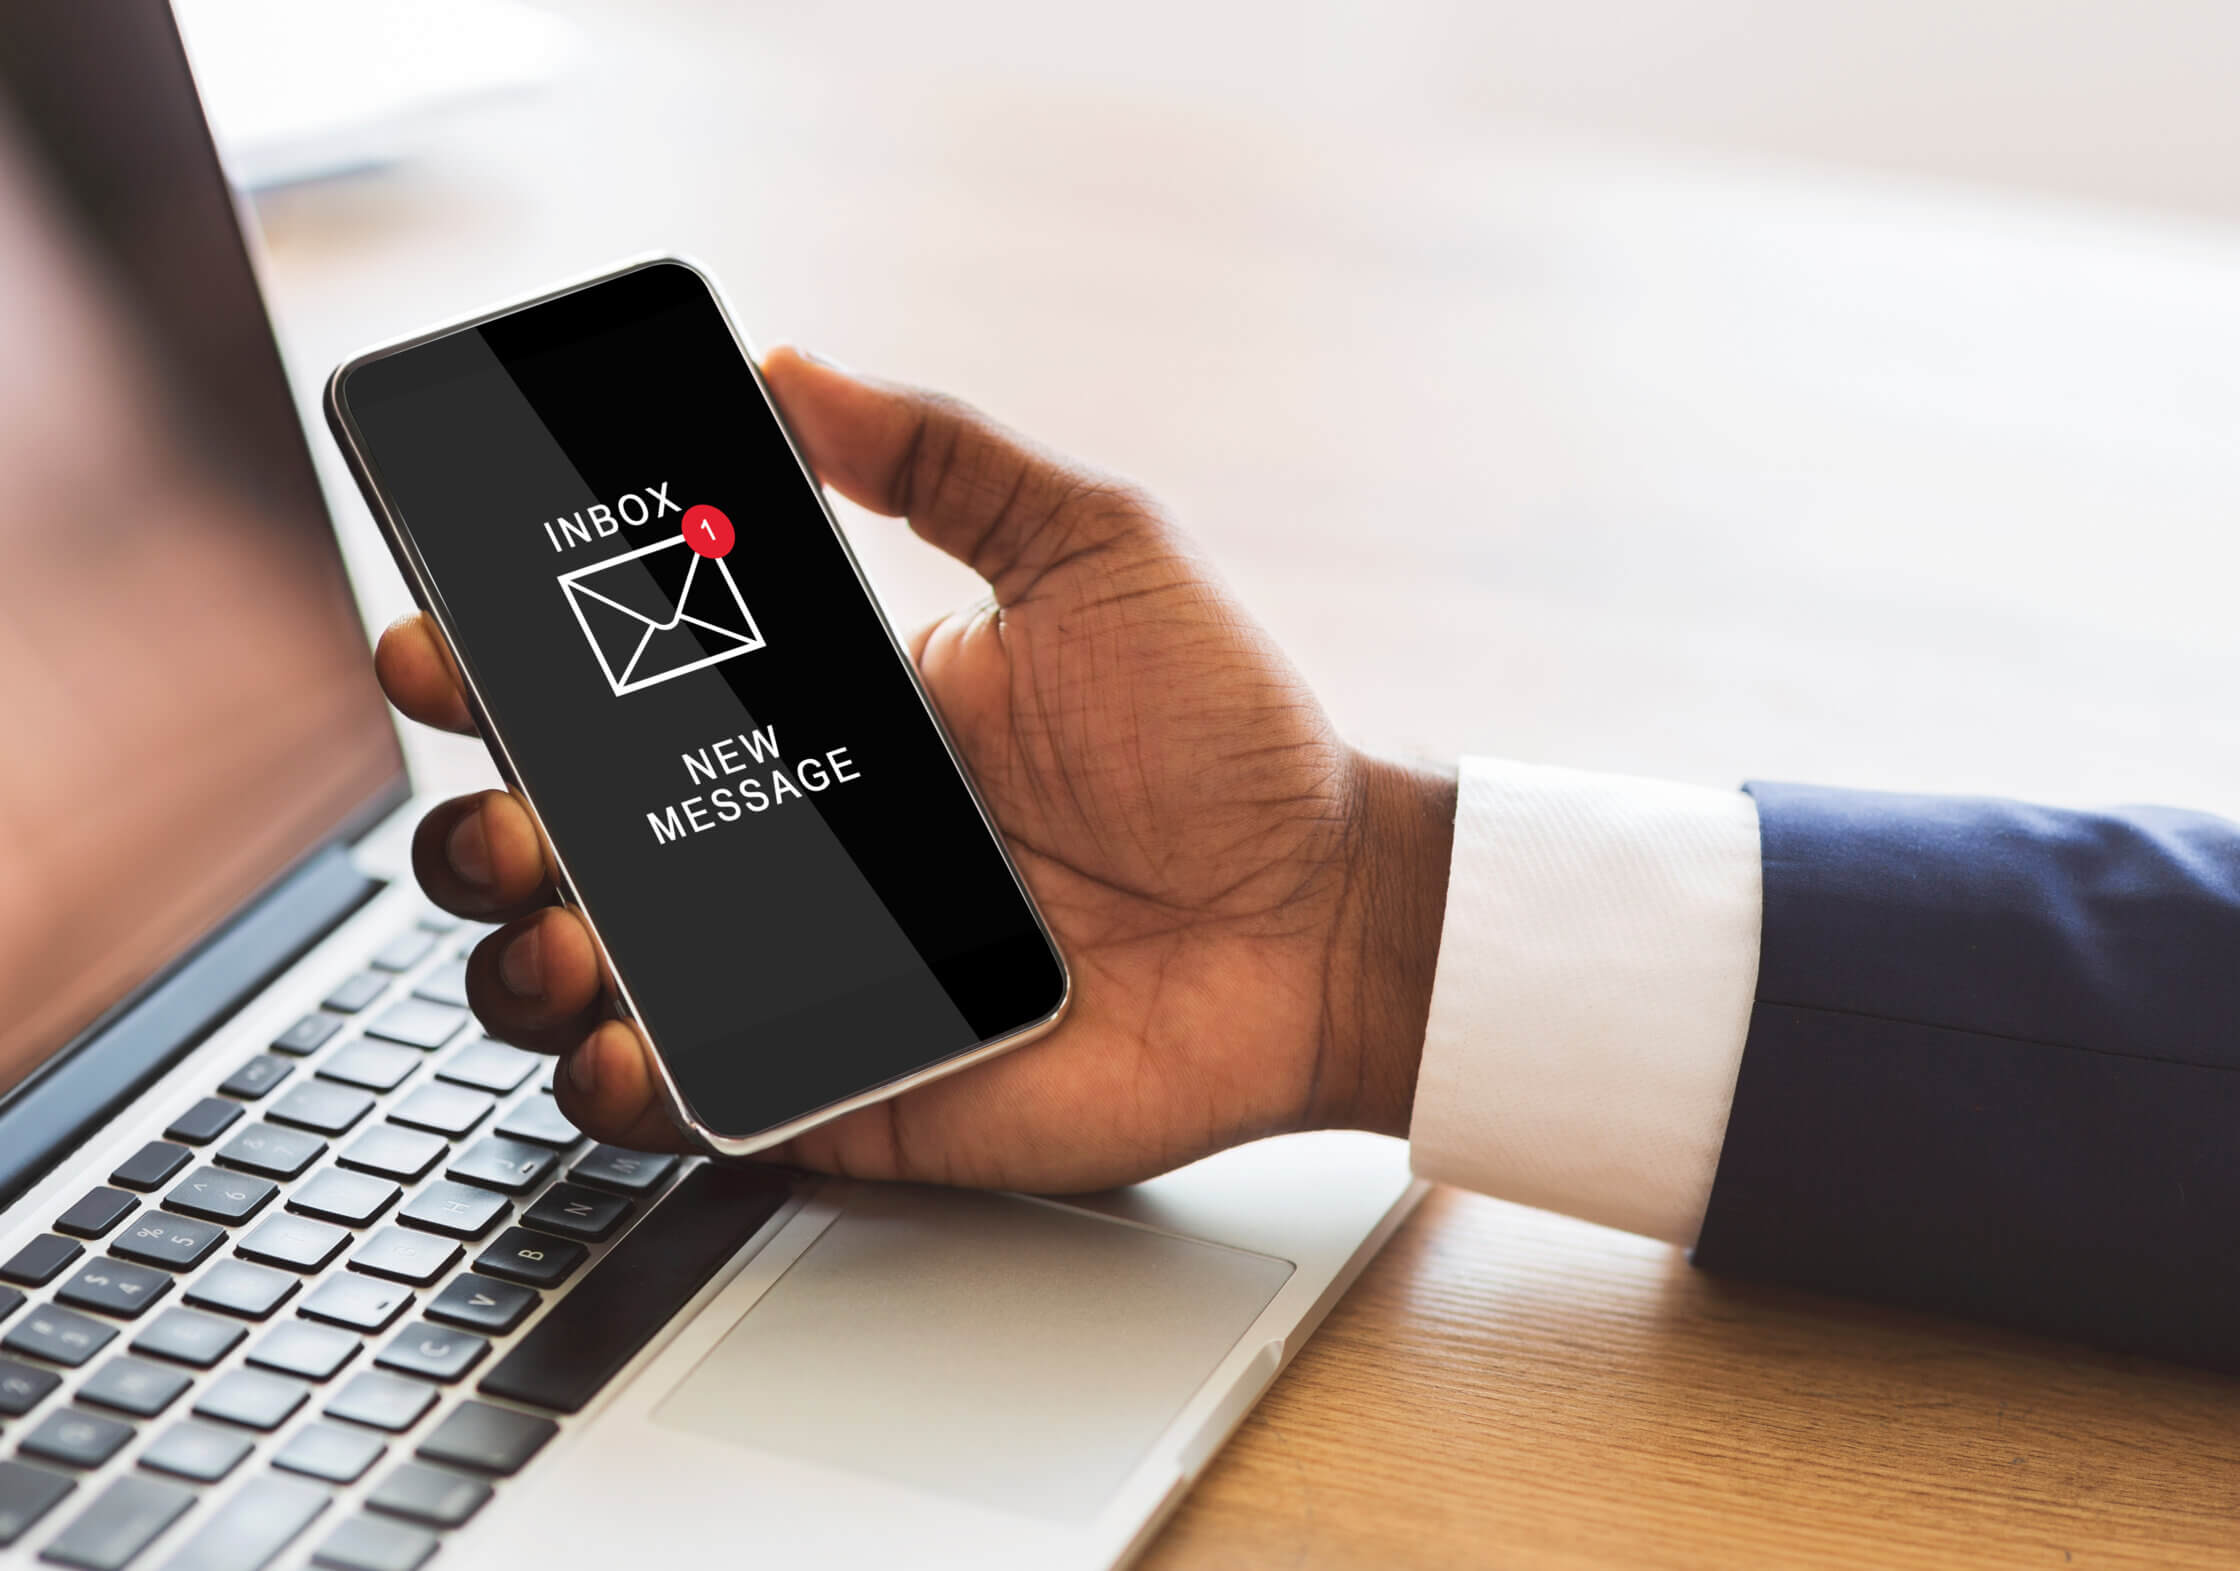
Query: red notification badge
(707, 531)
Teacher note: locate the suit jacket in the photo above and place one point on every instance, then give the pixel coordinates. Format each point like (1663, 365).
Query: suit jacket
(1993, 1067)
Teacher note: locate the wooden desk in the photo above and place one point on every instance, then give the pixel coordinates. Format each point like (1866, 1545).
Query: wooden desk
(1508, 1388)
(1563, 453)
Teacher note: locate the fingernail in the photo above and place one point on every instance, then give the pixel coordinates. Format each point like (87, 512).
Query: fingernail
(521, 966)
(826, 361)
(583, 1069)
(468, 849)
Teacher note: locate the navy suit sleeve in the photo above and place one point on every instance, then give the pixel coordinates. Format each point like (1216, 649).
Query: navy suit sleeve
(1994, 1067)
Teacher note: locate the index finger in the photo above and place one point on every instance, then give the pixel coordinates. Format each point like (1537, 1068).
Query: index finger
(416, 672)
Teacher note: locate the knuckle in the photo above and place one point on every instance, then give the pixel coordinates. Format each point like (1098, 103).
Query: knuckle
(973, 475)
(1093, 512)
(930, 459)
(1123, 502)
(1119, 512)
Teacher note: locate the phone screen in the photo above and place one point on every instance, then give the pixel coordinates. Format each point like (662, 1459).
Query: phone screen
(728, 752)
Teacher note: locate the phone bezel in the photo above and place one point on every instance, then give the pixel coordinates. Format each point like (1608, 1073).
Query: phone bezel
(402, 547)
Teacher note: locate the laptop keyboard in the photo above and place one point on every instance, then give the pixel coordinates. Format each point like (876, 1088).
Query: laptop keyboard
(376, 1259)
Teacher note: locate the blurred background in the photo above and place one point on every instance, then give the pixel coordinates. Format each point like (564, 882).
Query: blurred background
(1718, 389)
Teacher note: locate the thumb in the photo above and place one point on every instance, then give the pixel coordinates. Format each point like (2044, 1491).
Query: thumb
(1004, 507)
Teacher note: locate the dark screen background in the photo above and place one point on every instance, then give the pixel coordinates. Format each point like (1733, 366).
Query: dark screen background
(796, 956)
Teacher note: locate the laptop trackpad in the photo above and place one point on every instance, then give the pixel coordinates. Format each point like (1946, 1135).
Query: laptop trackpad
(1020, 1355)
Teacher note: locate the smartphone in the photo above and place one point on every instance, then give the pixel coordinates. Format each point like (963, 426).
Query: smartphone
(678, 665)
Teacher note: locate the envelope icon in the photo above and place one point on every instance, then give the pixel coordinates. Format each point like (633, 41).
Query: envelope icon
(661, 611)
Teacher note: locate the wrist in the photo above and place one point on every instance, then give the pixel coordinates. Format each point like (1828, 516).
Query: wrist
(1385, 947)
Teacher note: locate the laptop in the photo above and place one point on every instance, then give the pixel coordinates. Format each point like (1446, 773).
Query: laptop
(296, 1266)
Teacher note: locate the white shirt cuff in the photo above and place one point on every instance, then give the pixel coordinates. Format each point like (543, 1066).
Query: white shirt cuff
(1596, 974)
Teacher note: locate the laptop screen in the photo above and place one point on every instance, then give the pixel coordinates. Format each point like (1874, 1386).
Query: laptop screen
(187, 703)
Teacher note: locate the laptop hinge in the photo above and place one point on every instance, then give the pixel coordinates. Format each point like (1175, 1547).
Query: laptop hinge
(86, 1084)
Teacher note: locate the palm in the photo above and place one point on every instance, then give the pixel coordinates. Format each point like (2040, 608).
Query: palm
(1176, 801)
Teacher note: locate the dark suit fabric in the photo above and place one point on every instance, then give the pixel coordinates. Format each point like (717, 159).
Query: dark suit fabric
(1994, 1067)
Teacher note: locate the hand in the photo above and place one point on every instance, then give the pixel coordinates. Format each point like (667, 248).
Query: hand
(1250, 907)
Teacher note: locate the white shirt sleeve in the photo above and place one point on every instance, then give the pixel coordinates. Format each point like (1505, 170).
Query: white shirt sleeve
(1596, 974)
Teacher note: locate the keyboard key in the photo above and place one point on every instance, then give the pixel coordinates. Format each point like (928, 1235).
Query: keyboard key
(113, 1287)
(11, 1300)
(257, 1077)
(135, 1386)
(322, 1108)
(454, 1210)
(152, 1166)
(443, 1110)
(402, 1154)
(383, 1401)
(96, 1213)
(432, 1352)
(294, 1243)
(488, 1066)
(420, 1493)
(532, 1259)
(309, 1034)
(624, 1172)
(539, 1118)
(239, 1288)
(297, 1347)
(158, 1238)
(23, 1388)
(372, 1543)
(418, 1023)
(599, 1325)
(220, 1196)
(375, 1065)
(251, 1399)
(251, 1526)
(418, 1258)
(487, 1439)
(203, 1122)
(272, 1151)
(352, 1199)
(58, 1336)
(331, 1452)
(512, 1166)
(185, 1337)
(27, 1493)
(578, 1213)
(357, 992)
(201, 1452)
(41, 1261)
(480, 1303)
(120, 1522)
(404, 951)
(359, 1302)
(446, 984)
(75, 1438)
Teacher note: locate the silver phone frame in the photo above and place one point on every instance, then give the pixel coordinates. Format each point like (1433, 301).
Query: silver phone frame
(424, 592)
